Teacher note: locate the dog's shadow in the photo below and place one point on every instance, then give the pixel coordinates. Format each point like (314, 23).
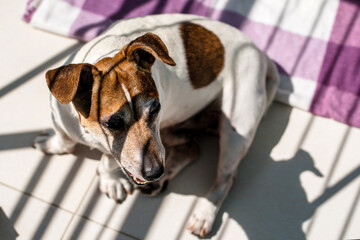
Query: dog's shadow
(267, 199)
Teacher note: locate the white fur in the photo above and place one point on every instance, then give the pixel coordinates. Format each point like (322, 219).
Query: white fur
(242, 85)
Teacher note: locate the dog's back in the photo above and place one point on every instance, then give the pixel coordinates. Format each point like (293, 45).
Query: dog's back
(185, 92)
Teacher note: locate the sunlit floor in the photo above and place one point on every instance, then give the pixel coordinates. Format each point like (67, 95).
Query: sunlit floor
(300, 179)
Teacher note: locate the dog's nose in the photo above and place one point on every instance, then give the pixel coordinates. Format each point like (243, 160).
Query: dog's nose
(151, 173)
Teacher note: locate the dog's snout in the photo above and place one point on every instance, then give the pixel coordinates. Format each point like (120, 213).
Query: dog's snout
(152, 171)
(152, 168)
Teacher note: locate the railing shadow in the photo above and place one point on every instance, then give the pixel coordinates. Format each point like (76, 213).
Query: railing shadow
(6, 228)
(31, 184)
(18, 140)
(82, 152)
(60, 194)
(41, 67)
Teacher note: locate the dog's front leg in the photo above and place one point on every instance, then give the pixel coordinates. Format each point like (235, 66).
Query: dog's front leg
(112, 182)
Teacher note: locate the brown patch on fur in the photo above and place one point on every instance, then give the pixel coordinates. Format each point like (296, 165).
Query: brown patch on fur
(204, 54)
(111, 94)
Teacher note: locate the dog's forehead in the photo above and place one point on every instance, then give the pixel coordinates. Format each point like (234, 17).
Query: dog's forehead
(122, 83)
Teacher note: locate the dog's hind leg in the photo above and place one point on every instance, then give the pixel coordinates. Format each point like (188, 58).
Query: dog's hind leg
(244, 101)
(58, 143)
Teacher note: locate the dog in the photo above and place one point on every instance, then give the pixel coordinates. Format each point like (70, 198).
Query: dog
(141, 86)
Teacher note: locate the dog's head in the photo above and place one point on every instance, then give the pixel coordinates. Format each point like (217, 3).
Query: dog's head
(118, 104)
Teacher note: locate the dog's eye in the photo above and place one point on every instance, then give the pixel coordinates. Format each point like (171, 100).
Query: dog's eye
(116, 122)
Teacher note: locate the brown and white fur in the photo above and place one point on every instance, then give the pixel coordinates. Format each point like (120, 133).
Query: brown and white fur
(115, 97)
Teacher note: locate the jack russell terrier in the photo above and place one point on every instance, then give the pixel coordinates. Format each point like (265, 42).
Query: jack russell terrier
(132, 108)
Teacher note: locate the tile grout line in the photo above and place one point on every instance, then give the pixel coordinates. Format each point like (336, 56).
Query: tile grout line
(101, 224)
(35, 197)
(73, 213)
(76, 213)
(78, 207)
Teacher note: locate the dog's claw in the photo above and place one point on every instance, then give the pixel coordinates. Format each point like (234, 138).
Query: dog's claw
(200, 228)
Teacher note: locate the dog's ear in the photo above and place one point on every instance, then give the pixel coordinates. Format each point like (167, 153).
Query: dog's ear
(74, 83)
(144, 49)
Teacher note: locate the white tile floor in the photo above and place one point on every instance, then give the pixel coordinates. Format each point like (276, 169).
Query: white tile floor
(300, 180)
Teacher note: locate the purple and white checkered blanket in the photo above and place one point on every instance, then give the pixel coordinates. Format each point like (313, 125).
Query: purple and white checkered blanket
(316, 44)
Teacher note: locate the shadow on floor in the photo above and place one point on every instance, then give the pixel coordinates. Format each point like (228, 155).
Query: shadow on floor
(41, 67)
(6, 228)
(18, 140)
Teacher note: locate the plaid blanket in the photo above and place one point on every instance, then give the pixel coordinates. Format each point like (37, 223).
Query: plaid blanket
(316, 44)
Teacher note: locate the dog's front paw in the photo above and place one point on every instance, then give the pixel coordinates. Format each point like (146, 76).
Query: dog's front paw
(203, 217)
(115, 187)
(51, 144)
